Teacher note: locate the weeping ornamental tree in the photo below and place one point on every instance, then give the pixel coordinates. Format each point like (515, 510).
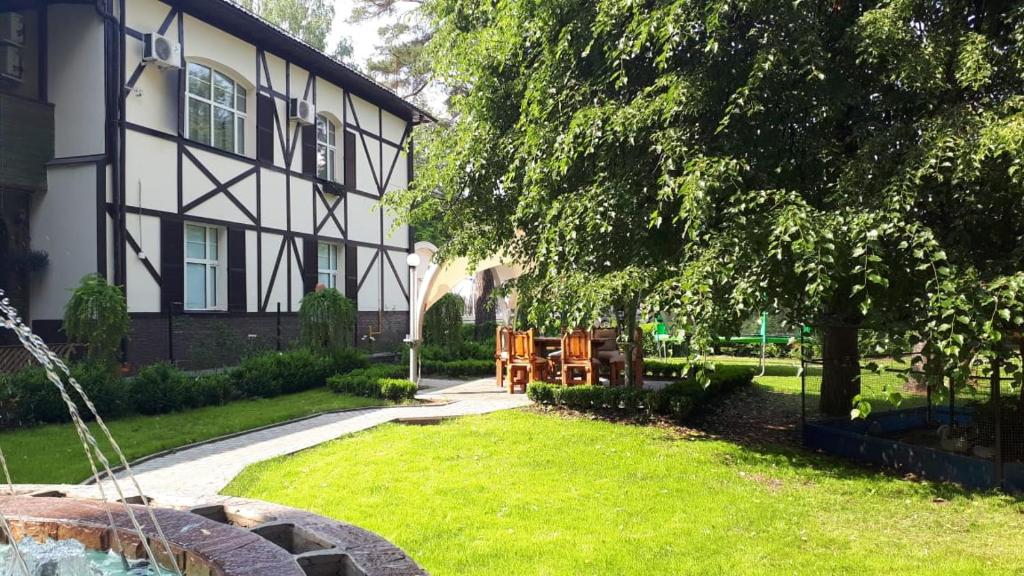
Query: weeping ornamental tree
(841, 163)
(97, 316)
(327, 321)
(442, 323)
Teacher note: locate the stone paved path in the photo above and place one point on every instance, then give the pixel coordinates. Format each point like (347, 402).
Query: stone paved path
(207, 469)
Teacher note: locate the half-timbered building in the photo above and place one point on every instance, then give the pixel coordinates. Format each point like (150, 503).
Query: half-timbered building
(211, 164)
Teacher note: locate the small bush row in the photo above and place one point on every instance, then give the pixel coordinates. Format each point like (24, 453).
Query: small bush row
(381, 381)
(675, 401)
(458, 368)
(269, 375)
(28, 397)
(462, 351)
(664, 369)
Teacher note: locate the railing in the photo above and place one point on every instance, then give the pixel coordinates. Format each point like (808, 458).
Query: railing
(14, 358)
(26, 142)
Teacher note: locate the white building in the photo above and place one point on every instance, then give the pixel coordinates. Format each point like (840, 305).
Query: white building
(206, 161)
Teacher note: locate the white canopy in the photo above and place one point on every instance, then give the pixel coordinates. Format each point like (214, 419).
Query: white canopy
(434, 280)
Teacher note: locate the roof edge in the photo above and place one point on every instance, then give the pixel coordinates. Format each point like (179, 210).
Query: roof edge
(232, 17)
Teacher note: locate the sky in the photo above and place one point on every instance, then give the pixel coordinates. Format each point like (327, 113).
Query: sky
(364, 40)
(363, 36)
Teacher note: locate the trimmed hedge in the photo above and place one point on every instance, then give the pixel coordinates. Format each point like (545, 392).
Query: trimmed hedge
(676, 401)
(158, 389)
(658, 368)
(381, 381)
(27, 397)
(273, 374)
(458, 368)
(30, 398)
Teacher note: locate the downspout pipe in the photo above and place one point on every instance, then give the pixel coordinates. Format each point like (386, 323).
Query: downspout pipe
(113, 42)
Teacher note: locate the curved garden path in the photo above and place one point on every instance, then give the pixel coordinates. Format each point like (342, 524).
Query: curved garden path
(205, 469)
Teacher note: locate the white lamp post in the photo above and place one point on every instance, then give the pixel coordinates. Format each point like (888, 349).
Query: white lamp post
(413, 339)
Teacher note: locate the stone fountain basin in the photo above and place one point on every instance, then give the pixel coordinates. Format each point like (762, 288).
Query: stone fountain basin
(214, 536)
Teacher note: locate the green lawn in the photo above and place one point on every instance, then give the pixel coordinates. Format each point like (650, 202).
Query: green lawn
(527, 493)
(53, 454)
(782, 375)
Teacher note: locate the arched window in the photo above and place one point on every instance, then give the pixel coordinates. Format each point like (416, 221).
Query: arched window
(326, 149)
(216, 109)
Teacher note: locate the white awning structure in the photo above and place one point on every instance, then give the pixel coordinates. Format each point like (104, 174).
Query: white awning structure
(432, 281)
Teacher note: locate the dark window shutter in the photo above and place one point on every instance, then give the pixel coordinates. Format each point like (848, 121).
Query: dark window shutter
(352, 274)
(310, 265)
(265, 128)
(350, 159)
(309, 150)
(172, 263)
(236, 270)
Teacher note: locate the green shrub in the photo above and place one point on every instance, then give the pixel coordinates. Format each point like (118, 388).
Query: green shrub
(541, 392)
(208, 390)
(664, 369)
(32, 399)
(158, 389)
(299, 370)
(396, 389)
(36, 398)
(104, 386)
(370, 382)
(97, 315)
(256, 376)
(675, 401)
(442, 323)
(327, 320)
(347, 360)
(275, 373)
(458, 368)
(480, 332)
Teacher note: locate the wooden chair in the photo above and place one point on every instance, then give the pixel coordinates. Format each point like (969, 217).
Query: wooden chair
(609, 355)
(501, 353)
(524, 366)
(576, 357)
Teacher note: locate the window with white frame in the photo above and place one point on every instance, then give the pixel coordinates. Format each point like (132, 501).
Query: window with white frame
(216, 109)
(326, 149)
(205, 288)
(327, 264)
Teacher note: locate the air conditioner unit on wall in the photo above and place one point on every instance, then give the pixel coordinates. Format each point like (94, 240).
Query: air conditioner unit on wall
(302, 111)
(12, 28)
(11, 69)
(160, 49)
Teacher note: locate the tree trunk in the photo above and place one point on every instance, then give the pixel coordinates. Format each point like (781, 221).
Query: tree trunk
(483, 308)
(629, 321)
(840, 378)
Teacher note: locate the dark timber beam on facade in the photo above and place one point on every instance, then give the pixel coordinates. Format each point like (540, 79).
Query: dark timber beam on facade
(244, 226)
(252, 161)
(227, 16)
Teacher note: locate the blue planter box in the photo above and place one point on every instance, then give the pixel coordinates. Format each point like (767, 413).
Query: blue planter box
(850, 439)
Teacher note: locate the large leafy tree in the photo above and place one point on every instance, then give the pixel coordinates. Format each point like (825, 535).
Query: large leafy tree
(845, 163)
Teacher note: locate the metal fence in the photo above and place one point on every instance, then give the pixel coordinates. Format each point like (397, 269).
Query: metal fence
(984, 418)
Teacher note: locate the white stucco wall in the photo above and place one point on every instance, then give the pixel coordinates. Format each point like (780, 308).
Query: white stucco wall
(63, 224)
(64, 220)
(75, 78)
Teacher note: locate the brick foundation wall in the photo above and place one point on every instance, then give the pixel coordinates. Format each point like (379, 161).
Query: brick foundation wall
(210, 341)
(206, 341)
(392, 328)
